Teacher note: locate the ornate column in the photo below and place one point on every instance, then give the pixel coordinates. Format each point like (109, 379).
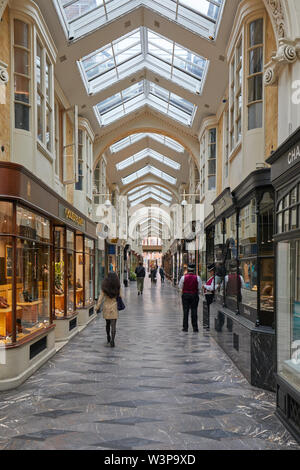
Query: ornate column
(4, 77)
(288, 53)
(288, 50)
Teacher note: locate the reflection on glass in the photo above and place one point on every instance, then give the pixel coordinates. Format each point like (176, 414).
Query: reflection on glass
(79, 271)
(59, 283)
(89, 272)
(6, 273)
(6, 217)
(32, 225)
(248, 253)
(288, 310)
(33, 287)
(70, 281)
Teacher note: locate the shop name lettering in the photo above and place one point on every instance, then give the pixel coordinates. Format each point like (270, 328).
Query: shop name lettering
(74, 217)
(293, 155)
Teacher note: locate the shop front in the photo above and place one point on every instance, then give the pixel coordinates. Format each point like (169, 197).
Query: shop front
(240, 243)
(285, 174)
(38, 288)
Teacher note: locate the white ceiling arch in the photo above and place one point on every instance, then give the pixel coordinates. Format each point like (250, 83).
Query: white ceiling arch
(146, 123)
(140, 184)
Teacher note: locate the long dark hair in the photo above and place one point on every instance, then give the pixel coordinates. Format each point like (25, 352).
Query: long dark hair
(111, 285)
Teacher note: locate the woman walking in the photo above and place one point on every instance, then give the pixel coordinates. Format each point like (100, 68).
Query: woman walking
(110, 292)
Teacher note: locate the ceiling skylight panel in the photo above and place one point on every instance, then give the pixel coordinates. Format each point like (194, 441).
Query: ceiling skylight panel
(140, 94)
(150, 189)
(80, 17)
(149, 196)
(146, 170)
(179, 63)
(148, 153)
(121, 144)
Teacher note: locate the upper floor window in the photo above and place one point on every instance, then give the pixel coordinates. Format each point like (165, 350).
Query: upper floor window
(235, 96)
(211, 162)
(22, 73)
(85, 159)
(226, 143)
(44, 108)
(202, 166)
(58, 138)
(79, 184)
(255, 73)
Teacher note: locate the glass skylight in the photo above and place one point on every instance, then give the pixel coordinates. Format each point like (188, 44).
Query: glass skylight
(142, 48)
(149, 196)
(160, 188)
(80, 17)
(147, 153)
(145, 171)
(145, 93)
(127, 141)
(147, 190)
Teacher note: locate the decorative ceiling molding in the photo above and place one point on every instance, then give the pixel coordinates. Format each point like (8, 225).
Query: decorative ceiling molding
(3, 5)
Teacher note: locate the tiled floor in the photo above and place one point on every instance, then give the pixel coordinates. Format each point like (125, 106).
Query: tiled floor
(159, 388)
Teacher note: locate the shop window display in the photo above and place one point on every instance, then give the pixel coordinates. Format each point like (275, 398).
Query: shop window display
(248, 254)
(89, 271)
(59, 275)
(33, 286)
(70, 272)
(288, 309)
(6, 274)
(24, 273)
(233, 283)
(266, 254)
(79, 271)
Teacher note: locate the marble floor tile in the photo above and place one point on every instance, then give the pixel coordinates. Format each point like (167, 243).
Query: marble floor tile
(158, 389)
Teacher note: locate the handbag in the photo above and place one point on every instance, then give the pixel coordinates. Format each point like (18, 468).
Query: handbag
(120, 303)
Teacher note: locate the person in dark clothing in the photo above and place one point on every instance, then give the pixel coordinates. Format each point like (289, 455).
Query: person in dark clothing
(162, 274)
(191, 286)
(140, 276)
(153, 274)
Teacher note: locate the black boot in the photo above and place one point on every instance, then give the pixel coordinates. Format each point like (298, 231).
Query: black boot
(108, 331)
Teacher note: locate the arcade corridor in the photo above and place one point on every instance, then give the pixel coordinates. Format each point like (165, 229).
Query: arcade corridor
(159, 388)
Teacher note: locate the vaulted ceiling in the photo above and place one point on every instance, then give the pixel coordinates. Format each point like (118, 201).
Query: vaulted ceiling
(127, 61)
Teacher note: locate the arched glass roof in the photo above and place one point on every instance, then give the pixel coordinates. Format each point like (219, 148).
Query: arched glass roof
(149, 196)
(138, 49)
(145, 171)
(160, 188)
(123, 143)
(145, 93)
(80, 17)
(148, 153)
(147, 190)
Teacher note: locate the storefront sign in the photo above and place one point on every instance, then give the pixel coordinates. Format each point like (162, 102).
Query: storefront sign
(223, 202)
(70, 216)
(288, 160)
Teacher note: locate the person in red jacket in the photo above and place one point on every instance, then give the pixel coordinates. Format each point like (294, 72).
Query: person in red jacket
(191, 285)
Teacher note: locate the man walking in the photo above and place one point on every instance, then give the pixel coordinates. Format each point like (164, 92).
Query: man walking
(140, 276)
(191, 285)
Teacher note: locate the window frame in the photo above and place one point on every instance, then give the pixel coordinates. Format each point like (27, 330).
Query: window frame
(46, 95)
(256, 74)
(28, 77)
